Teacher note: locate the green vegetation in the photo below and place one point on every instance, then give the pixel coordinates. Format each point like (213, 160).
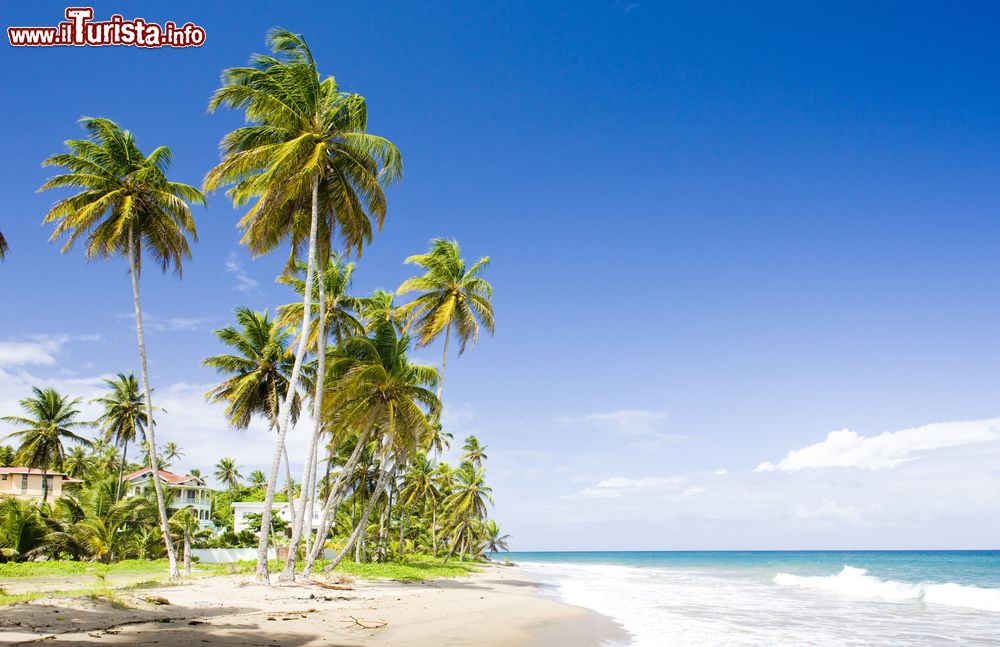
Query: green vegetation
(313, 177)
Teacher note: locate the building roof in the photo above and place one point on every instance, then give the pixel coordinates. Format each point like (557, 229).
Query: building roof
(31, 470)
(169, 477)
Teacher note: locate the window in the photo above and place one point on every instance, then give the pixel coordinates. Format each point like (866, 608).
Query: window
(24, 482)
(3, 477)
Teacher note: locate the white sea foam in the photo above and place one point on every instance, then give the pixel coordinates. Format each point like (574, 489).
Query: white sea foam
(858, 583)
(691, 607)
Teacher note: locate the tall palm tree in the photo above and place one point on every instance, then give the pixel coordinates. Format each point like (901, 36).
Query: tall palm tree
(306, 149)
(228, 473)
(259, 367)
(49, 420)
(336, 318)
(126, 207)
(473, 452)
(171, 451)
(450, 297)
(124, 417)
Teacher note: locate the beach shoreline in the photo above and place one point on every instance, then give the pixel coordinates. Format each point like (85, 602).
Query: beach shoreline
(498, 606)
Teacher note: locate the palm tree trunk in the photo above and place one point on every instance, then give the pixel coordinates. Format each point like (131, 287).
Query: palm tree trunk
(333, 499)
(154, 462)
(121, 471)
(289, 492)
(45, 483)
(187, 553)
(402, 528)
(444, 360)
(300, 352)
(363, 521)
(309, 469)
(434, 528)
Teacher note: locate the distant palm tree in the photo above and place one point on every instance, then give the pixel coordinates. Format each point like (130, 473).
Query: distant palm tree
(170, 452)
(227, 473)
(420, 485)
(466, 505)
(474, 452)
(124, 417)
(379, 307)
(126, 207)
(50, 419)
(185, 523)
(195, 473)
(450, 297)
(495, 541)
(77, 462)
(257, 479)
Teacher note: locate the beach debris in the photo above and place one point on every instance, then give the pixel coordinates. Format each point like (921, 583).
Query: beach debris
(156, 599)
(365, 624)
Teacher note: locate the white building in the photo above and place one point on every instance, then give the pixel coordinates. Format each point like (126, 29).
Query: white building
(243, 509)
(189, 491)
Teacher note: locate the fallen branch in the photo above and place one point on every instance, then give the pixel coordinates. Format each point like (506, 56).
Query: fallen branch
(365, 624)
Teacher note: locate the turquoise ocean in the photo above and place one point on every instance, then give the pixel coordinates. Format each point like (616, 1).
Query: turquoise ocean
(822, 598)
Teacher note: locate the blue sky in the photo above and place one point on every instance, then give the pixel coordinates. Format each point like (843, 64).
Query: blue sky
(718, 233)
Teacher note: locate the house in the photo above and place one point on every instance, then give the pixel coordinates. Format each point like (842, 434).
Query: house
(189, 491)
(27, 483)
(243, 509)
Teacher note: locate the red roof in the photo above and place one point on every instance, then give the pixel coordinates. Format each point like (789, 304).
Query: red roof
(169, 477)
(29, 470)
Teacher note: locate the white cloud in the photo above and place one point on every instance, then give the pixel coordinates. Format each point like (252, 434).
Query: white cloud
(629, 422)
(169, 324)
(847, 448)
(244, 282)
(37, 350)
(619, 486)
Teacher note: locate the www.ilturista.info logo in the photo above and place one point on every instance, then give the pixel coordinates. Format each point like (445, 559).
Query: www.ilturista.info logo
(79, 30)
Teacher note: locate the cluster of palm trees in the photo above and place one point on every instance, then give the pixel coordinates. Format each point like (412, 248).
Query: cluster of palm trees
(314, 179)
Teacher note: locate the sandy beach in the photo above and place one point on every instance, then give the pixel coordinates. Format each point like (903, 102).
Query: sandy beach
(498, 606)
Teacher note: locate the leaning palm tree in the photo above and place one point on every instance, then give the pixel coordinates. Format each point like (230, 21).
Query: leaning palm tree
(379, 389)
(305, 151)
(473, 451)
(450, 297)
(126, 207)
(228, 473)
(124, 417)
(49, 420)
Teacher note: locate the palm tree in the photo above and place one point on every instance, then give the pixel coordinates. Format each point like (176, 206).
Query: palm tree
(466, 504)
(23, 531)
(126, 206)
(50, 419)
(439, 440)
(257, 479)
(306, 148)
(259, 369)
(4, 248)
(495, 541)
(420, 485)
(450, 297)
(124, 418)
(228, 473)
(379, 307)
(474, 452)
(170, 452)
(77, 462)
(185, 522)
(378, 388)
(336, 319)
